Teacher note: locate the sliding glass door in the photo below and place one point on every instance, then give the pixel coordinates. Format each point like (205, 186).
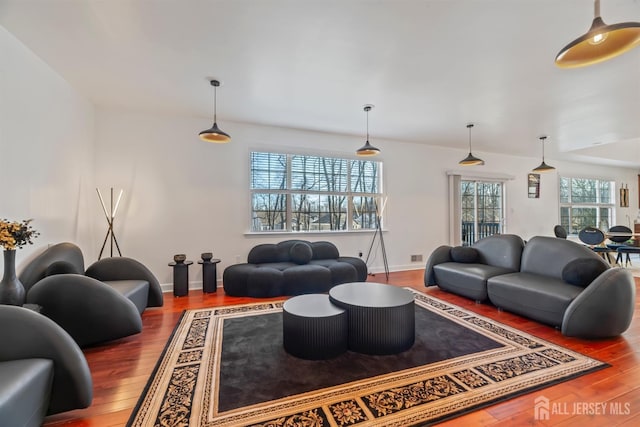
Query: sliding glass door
(482, 206)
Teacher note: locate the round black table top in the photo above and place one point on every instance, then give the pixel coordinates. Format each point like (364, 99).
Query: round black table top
(311, 305)
(369, 294)
(211, 261)
(178, 264)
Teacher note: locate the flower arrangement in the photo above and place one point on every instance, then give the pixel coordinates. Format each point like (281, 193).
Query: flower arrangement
(15, 235)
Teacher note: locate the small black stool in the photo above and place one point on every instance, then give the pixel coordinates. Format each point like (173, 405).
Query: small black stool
(313, 328)
(180, 277)
(209, 273)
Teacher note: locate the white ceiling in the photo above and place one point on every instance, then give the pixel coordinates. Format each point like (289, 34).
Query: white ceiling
(429, 67)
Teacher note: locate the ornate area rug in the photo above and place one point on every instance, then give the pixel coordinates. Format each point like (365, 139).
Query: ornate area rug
(227, 367)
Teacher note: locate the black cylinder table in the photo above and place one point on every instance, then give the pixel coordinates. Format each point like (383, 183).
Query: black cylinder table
(313, 328)
(209, 273)
(180, 277)
(381, 317)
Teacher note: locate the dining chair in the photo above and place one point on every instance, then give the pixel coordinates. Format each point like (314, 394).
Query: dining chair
(560, 232)
(593, 237)
(618, 241)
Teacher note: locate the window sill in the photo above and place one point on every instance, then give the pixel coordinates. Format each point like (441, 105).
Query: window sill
(299, 234)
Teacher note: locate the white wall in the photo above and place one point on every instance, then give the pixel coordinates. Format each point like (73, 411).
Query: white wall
(182, 195)
(46, 149)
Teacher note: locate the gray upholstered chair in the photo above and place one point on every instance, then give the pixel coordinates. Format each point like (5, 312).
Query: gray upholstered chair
(42, 370)
(560, 232)
(101, 304)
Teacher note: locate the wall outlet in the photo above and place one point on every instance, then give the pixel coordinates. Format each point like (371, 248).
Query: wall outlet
(416, 258)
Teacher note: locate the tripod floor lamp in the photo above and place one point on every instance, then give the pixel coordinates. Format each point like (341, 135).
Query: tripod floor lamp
(110, 216)
(375, 234)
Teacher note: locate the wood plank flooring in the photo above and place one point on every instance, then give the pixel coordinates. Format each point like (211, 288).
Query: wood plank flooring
(121, 368)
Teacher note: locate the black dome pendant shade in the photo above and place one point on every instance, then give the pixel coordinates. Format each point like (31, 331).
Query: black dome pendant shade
(214, 134)
(600, 43)
(543, 166)
(368, 149)
(470, 160)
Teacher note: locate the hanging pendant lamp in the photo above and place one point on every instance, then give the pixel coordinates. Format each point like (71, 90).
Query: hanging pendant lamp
(368, 149)
(214, 134)
(470, 160)
(600, 43)
(543, 166)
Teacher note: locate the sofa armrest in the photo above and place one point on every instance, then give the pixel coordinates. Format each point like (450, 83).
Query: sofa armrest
(123, 268)
(604, 308)
(89, 310)
(26, 334)
(438, 256)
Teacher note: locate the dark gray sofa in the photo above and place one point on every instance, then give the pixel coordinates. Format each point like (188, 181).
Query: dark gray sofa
(554, 281)
(42, 370)
(292, 267)
(101, 304)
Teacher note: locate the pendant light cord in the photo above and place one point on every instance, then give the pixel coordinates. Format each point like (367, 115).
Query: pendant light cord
(542, 138)
(596, 9)
(215, 93)
(367, 109)
(469, 126)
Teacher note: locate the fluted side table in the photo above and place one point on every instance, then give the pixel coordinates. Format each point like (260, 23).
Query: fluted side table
(313, 328)
(381, 317)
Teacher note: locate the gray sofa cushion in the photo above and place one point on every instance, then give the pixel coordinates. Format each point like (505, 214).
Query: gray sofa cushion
(62, 267)
(547, 256)
(135, 290)
(582, 271)
(324, 250)
(541, 298)
(469, 280)
(464, 254)
(300, 253)
(25, 391)
(500, 250)
(260, 254)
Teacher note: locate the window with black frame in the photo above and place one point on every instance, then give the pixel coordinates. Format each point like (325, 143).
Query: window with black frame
(309, 193)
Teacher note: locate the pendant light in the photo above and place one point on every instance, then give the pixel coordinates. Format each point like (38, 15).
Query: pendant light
(600, 43)
(470, 160)
(214, 134)
(543, 166)
(368, 149)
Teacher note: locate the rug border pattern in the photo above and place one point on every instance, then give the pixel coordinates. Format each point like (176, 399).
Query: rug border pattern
(427, 393)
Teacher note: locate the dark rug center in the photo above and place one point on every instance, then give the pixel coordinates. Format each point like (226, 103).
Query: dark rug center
(255, 367)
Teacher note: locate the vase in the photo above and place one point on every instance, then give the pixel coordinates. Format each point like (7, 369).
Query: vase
(11, 290)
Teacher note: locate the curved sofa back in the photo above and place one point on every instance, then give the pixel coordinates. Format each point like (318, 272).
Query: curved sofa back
(64, 253)
(280, 252)
(500, 250)
(548, 256)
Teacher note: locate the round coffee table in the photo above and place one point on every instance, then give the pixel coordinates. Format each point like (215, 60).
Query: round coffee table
(313, 328)
(381, 317)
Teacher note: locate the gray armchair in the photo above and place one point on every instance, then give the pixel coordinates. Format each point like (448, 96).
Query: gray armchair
(42, 370)
(101, 304)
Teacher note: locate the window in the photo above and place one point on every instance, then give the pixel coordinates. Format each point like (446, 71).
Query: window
(292, 192)
(586, 202)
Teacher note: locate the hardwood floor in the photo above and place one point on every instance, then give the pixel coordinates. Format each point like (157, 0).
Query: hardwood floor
(121, 368)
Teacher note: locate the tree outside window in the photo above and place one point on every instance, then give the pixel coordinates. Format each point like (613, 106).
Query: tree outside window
(301, 193)
(586, 202)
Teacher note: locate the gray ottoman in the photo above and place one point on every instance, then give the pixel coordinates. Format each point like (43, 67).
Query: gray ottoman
(313, 328)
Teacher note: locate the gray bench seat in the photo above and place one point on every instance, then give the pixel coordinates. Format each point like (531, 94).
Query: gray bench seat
(25, 391)
(135, 290)
(469, 280)
(538, 297)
